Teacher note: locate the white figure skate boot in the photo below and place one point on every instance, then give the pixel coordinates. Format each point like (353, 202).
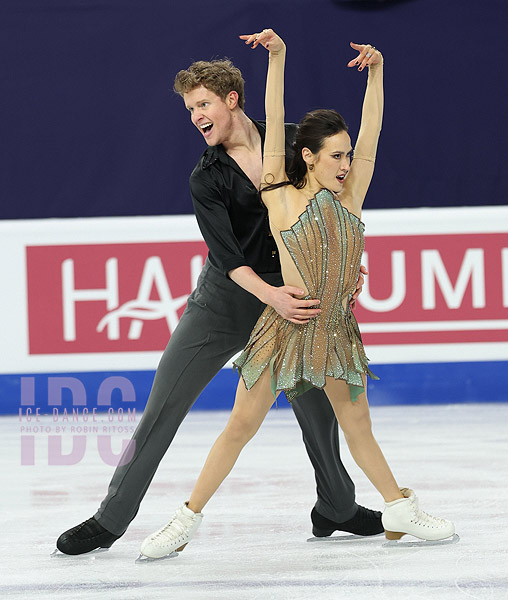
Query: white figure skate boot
(174, 536)
(403, 516)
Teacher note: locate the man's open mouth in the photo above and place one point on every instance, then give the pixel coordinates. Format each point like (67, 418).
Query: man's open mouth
(206, 128)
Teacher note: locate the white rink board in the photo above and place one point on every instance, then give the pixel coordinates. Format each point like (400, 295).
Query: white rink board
(16, 236)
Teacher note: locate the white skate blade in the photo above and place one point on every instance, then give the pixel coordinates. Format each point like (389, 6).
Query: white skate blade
(350, 537)
(57, 554)
(413, 543)
(141, 559)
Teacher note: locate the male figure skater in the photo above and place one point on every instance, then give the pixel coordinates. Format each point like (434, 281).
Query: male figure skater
(241, 275)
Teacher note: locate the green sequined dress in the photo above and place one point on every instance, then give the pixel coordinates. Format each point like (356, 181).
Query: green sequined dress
(326, 244)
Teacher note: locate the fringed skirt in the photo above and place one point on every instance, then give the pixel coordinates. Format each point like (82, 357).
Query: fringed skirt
(302, 356)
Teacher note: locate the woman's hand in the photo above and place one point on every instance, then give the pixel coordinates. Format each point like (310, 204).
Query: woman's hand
(368, 56)
(267, 38)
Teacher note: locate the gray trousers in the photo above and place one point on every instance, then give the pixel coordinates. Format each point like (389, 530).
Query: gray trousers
(215, 326)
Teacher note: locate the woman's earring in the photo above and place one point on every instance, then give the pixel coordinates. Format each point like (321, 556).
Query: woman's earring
(311, 167)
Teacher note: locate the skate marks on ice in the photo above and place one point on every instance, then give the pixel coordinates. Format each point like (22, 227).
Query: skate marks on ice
(483, 574)
(258, 550)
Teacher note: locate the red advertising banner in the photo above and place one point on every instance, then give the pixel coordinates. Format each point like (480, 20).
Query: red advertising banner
(90, 298)
(435, 289)
(108, 297)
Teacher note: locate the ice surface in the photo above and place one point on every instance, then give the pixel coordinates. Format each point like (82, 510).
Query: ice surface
(252, 544)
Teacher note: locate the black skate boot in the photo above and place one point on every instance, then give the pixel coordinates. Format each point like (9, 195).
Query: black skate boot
(364, 523)
(85, 537)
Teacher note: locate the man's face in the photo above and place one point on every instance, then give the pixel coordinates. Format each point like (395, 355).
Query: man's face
(210, 114)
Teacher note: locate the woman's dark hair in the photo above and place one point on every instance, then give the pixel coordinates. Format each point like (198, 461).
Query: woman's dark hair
(312, 131)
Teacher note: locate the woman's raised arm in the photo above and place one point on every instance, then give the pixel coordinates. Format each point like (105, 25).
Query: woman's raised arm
(362, 167)
(274, 149)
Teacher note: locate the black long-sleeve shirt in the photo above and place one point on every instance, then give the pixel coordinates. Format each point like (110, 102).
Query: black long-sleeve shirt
(229, 211)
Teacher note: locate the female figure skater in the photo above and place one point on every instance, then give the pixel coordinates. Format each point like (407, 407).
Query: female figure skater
(314, 211)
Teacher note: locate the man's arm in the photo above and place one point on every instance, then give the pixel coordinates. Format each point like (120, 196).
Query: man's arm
(214, 222)
(280, 298)
(215, 225)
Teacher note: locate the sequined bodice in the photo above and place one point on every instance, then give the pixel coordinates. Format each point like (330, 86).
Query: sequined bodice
(326, 245)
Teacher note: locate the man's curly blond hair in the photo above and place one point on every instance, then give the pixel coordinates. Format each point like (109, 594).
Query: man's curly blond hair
(218, 76)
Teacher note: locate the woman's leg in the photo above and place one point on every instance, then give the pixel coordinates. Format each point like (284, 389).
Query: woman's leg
(354, 420)
(401, 514)
(249, 411)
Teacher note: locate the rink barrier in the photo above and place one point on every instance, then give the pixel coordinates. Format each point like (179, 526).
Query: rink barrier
(124, 391)
(90, 304)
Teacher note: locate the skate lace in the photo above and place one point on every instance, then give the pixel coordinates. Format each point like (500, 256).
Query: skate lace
(420, 517)
(176, 528)
(88, 529)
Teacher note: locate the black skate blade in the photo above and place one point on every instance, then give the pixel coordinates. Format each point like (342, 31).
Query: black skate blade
(350, 537)
(142, 559)
(415, 544)
(57, 554)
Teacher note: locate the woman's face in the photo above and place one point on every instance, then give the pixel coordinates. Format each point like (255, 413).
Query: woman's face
(332, 162)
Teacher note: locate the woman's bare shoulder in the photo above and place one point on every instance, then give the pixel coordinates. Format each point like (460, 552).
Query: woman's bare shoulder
(285, 213)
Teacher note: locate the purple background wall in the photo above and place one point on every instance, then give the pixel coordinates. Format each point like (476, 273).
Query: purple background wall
(90, 125)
